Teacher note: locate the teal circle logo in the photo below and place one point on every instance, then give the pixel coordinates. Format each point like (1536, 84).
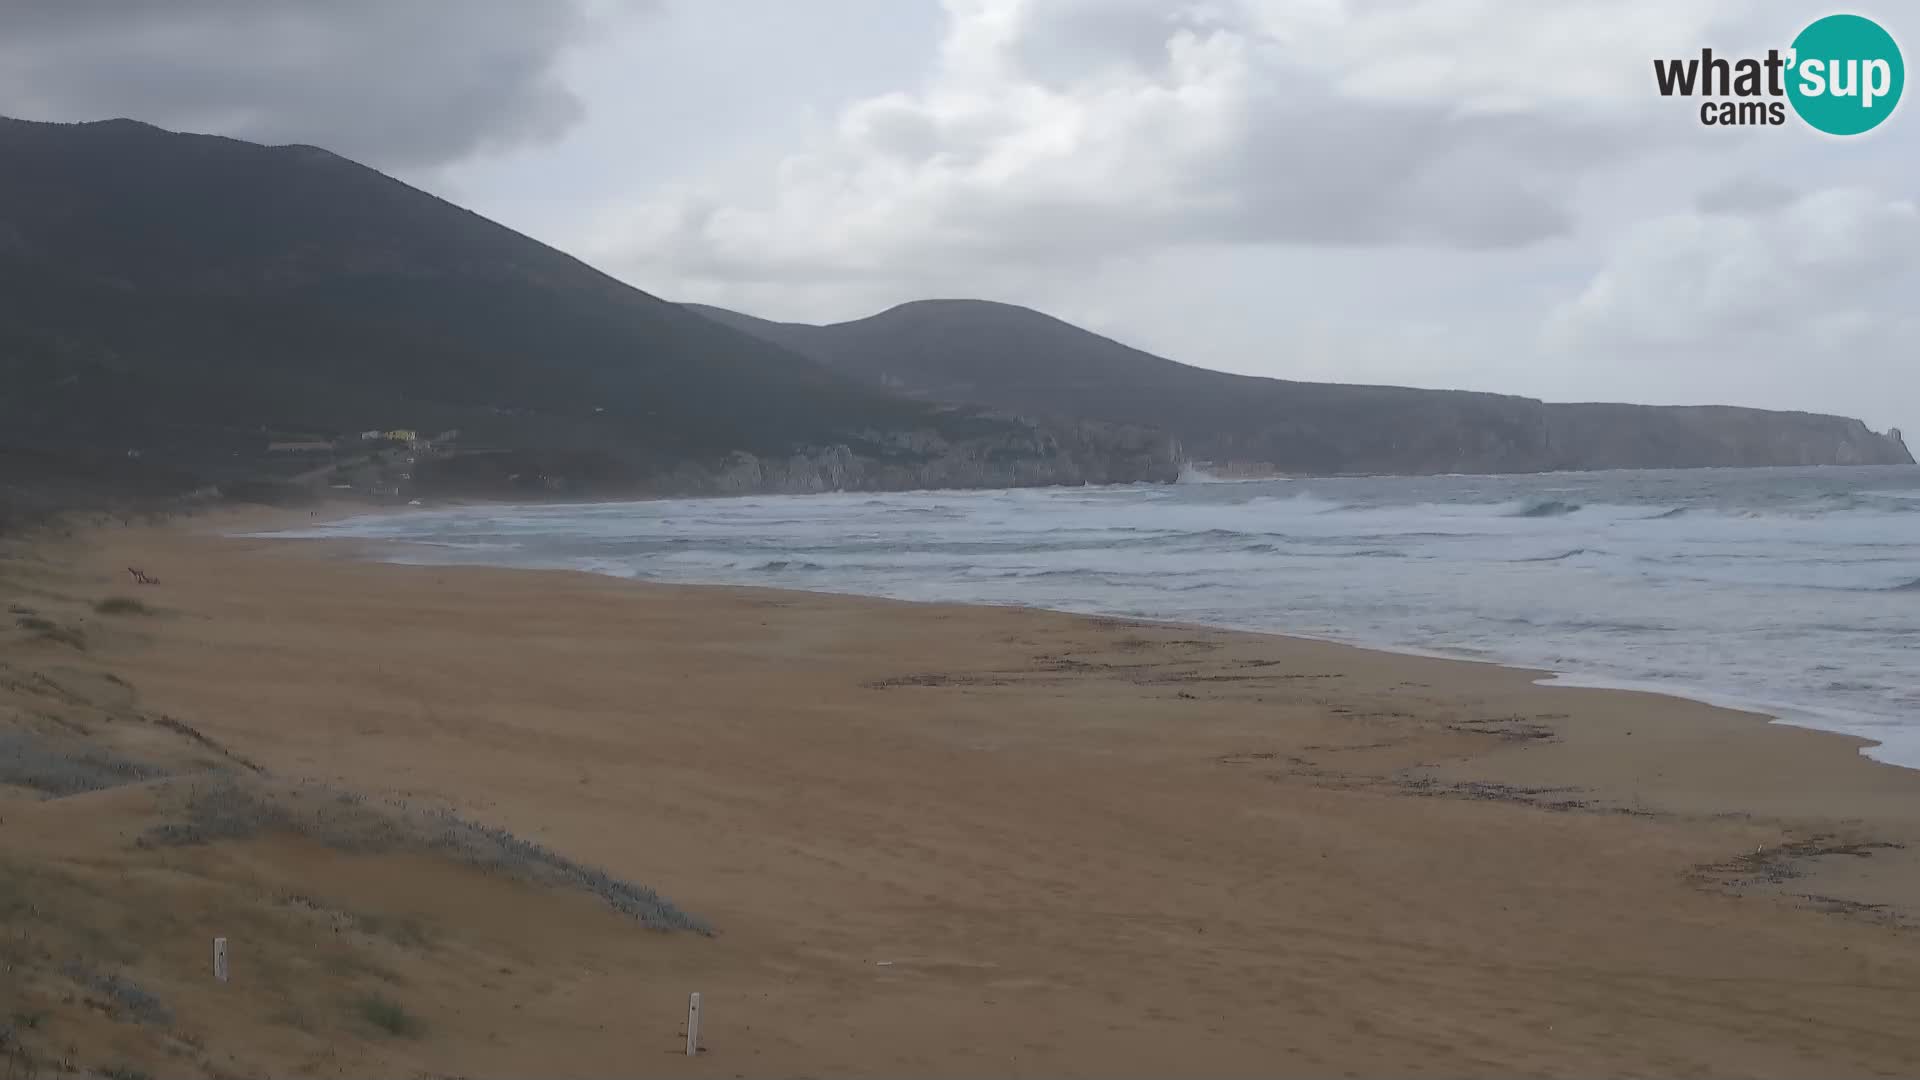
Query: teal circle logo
(1847, 75)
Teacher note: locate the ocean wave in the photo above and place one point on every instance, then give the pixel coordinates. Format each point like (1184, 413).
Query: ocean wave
(464, 545)
(1568, 554)
(1759, 582)
(1884, 502)
(1546, 508)
(777, 565)
(1086, 572)
(1478, 509)
(1865, 506)
(1900, 587)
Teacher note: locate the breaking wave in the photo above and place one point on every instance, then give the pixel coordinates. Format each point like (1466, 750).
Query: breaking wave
(1568, 554)
(1547, 508)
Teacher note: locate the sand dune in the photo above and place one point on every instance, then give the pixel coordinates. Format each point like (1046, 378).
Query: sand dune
(932, 840)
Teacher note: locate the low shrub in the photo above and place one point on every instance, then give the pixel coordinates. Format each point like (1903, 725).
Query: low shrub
(389, 1016)
(123, 994)
(122, 605)
(48, 630)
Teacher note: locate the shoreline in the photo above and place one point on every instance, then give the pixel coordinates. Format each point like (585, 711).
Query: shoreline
(1794, 716)
(1841, 723)
(1768, 718)
(942, 839)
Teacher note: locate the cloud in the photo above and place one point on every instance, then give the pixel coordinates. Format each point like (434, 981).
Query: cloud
(1746, 194)
(1067, 132)
(1758, 294)
(392, 82)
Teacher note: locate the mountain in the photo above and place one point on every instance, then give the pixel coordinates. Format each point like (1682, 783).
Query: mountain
(188, 300)
(1013, 358)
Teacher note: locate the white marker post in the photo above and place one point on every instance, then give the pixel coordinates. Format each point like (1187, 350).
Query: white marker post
(693, 1025)
(220, 958)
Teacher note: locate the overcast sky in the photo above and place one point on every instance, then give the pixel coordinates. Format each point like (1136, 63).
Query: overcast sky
(1486, 194)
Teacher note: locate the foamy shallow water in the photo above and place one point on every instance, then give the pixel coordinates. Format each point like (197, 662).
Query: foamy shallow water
(1794, 592)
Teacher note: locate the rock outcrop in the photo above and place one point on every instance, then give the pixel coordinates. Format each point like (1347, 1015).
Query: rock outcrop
(1037, 458)
(1643, 437)
(1005, 452)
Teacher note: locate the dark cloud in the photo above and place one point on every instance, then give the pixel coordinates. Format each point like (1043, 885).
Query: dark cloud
(392, 82)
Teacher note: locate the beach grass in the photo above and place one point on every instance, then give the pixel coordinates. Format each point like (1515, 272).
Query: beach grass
(227, 807)
(58, 767)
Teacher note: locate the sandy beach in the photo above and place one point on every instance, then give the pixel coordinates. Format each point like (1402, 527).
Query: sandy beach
(932, 840)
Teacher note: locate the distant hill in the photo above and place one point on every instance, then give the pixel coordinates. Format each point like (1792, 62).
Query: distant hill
(1013, 358)
(189, 299)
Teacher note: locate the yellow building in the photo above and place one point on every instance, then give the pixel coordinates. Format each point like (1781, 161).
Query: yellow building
(400, 435)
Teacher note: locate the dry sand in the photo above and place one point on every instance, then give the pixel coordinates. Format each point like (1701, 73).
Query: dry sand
(936, 840)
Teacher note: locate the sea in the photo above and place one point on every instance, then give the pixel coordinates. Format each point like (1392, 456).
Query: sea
(1792, 592)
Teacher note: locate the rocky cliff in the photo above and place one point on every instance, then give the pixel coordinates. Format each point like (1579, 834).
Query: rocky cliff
(1033, 456)
(1639, 437)
(1012, 358)
(998, 452)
